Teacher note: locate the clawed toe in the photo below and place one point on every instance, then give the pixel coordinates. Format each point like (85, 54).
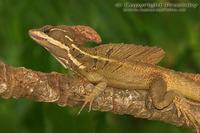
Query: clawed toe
(187, 114)
(88, 99)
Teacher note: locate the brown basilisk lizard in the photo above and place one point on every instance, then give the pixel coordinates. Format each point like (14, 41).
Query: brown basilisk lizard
(116, 65)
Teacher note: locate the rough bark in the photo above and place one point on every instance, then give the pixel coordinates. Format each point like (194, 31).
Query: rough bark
(68, 90)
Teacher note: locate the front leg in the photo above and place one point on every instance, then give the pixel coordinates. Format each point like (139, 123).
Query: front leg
(98, 89)
(160, 96)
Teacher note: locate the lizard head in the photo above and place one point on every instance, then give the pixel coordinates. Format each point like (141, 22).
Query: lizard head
(77, 35)
(58, 40)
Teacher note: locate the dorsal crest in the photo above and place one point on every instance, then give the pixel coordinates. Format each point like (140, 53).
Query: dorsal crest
(129, 53)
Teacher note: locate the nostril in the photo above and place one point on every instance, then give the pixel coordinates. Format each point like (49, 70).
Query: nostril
(32, 33)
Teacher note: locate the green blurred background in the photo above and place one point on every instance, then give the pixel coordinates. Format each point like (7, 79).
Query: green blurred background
(176, 32)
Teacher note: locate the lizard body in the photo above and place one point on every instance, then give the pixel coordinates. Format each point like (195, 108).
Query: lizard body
(120, 66)
(139, 75)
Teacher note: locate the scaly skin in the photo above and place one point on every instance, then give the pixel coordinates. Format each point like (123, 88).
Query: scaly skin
(139, 75)
(95, 65)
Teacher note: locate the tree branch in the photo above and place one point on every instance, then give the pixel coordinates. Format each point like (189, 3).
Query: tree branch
(68, 90)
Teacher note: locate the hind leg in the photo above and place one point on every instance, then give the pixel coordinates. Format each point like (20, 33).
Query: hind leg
(160, 96)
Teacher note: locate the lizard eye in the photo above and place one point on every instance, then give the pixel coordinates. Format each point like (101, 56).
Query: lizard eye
(46, 28)
(46, 31)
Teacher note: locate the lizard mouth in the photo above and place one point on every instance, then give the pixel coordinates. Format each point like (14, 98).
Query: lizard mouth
(35, 35)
